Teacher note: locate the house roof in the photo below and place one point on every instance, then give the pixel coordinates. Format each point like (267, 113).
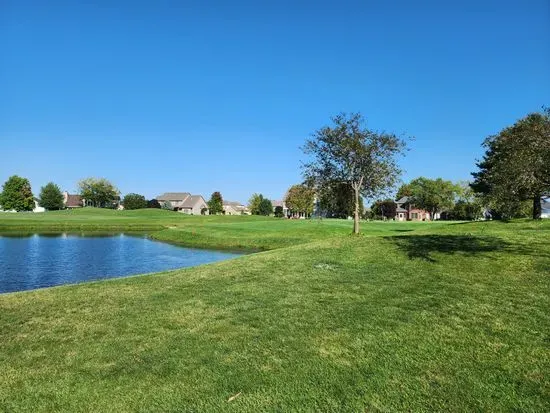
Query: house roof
(191, 201)
(403, 200)
(399, 209)
(173, 196)
(278, 203)
(73, 201)
(232, 203)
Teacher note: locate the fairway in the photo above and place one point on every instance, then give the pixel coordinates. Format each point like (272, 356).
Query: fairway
(404, 317)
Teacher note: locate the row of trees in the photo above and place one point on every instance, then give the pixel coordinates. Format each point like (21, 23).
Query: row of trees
(260, 205)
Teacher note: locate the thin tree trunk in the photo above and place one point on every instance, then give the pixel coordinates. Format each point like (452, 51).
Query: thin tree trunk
(356, 215)
(537, 207)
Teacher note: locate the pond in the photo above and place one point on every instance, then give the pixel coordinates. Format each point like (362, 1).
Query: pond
(37, 261)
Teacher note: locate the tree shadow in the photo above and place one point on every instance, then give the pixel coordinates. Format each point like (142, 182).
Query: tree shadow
(423, 246)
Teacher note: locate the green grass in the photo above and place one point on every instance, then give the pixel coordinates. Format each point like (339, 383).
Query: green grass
(406, 317)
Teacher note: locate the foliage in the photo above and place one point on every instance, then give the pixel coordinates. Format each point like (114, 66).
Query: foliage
(266, 207)
(404, 190)
(300, 198)
(336, 200)
(254, 203)
(215, 204)
(153, 203)
(17, 194)
(204, 210)
(99, 192)
(516, 164)
(134, 201)
(279, 212)
(51, 197)
(347, 152)
(384, 209)
(167, 205)
(433, 195)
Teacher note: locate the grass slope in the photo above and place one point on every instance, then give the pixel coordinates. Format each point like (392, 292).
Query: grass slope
(405, 318)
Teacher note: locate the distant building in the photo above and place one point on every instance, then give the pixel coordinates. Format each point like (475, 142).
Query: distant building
(235, 208)
(72, 201)
(184, 202)
(406, 211)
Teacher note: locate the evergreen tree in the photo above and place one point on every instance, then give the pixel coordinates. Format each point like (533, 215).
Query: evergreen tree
(51, 197)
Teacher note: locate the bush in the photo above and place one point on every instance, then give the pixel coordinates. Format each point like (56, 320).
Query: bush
(134, 201)
(279, 211)
(167, 205)
(153, 203)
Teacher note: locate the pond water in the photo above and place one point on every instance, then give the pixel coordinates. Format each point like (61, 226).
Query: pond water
(36, 261)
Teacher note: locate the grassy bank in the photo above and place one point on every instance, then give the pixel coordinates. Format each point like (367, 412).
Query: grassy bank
(407, 317)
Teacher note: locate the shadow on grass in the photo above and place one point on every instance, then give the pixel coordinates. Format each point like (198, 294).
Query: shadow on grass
(423, 246)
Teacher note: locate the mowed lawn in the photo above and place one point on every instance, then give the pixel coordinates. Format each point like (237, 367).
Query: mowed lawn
(406, 317)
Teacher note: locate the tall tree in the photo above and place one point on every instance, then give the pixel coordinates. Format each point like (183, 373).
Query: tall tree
(51, 197)
(300, 198)
(254, 203)
(348, 152)
(134, 201)
(215, 204)
(433, 195)
(265, 207)
(99, 191)
(516, 164)
(17, 194)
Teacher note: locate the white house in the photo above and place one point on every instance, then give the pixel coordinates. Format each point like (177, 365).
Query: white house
(184, 202)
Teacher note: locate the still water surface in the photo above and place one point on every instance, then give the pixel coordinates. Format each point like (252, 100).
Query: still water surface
(36, 261)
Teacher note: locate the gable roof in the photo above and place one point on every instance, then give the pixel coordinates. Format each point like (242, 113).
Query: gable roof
(73, 201)
(192, 200)
(173, 196)
(403, 200)
(232, 203)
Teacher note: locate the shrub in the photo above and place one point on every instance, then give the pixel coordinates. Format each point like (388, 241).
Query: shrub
(279, 211)
(134, 201)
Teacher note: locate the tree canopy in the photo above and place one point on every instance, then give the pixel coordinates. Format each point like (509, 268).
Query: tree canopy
(17, 194)
(300, 198)
(265, 207)
(516, 165)
(99, 192)
(347, 152)
(153, 203)
(51, 197)
(215, 204)
(433, 195)
(254, 203)
(337, 200)
(384, 208)
(134, 201)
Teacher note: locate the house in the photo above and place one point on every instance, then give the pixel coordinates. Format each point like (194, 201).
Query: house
(72, 201)
(235, 208)
(184, 202)
(286, 210)
(406, 211)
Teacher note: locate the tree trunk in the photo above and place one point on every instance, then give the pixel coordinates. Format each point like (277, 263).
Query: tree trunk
(537, 207)
(356, 214)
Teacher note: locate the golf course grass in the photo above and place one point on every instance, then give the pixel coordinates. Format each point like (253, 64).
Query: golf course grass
(404, 317)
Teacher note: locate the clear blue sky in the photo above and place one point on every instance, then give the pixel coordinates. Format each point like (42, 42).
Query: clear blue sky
(202, 96)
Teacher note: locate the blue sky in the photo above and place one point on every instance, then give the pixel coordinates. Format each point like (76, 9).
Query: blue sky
(202, 96)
